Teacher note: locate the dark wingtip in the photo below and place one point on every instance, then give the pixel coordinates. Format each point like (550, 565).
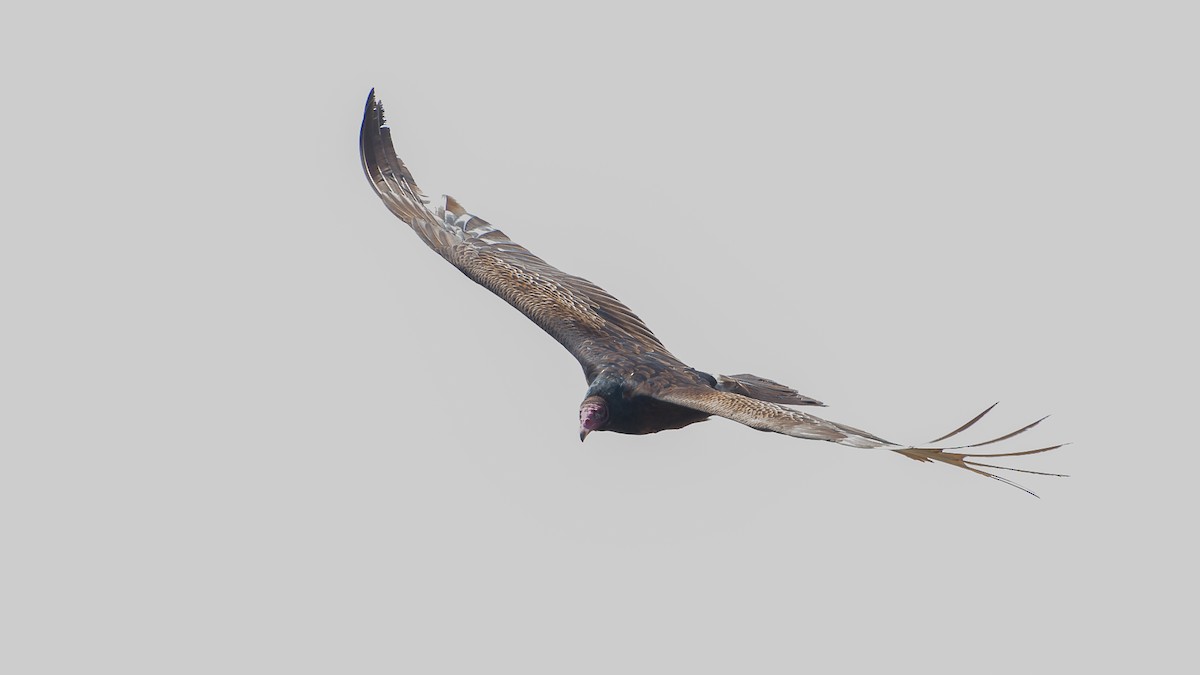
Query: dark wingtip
(373, 110)
(370, 104)
(369, 135)
(970, 423)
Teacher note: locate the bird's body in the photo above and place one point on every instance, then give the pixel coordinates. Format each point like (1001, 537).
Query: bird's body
(630, 412)
(635, 385)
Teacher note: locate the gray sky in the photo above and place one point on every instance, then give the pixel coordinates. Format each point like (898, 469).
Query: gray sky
(251, 424)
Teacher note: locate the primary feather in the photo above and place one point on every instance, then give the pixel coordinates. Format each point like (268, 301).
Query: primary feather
(635, 385)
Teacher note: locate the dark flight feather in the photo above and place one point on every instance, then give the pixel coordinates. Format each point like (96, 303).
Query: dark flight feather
(637, 386)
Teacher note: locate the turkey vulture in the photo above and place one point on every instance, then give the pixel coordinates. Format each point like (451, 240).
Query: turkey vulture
(635, 386)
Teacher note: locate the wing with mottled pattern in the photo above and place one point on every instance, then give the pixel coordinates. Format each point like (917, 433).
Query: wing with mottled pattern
(767, 416)
(592, 324)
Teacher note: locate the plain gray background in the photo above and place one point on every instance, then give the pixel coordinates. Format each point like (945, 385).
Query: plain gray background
(250, 424)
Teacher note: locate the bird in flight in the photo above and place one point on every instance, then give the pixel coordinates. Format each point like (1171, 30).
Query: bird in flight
(635, 386)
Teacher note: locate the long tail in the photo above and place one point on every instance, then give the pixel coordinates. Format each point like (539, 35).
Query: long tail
(964, 460)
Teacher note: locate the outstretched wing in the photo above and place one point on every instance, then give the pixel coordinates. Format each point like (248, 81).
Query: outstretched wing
(593, 325)
(776, 418)
(767, 416)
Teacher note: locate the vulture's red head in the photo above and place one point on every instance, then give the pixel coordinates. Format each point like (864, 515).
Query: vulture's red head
(593, 415)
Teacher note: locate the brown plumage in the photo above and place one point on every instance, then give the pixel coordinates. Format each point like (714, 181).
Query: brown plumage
(635, 386)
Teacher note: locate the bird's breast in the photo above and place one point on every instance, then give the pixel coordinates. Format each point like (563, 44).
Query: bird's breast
(646, 415)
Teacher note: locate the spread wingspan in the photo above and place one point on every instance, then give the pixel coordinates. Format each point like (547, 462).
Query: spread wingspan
(636, 385)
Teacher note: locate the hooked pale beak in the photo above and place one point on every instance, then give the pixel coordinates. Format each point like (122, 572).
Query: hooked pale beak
(593, 413)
